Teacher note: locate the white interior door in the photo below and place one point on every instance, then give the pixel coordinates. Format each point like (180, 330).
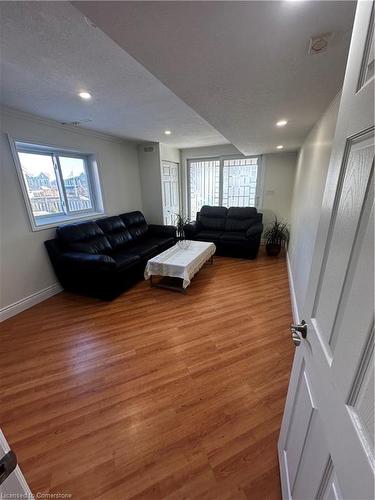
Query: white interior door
(171, 191)
(326, 444)
(14, 486)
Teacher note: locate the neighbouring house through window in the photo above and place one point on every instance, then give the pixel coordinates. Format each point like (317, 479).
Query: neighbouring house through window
(58, 185)
(229, 182)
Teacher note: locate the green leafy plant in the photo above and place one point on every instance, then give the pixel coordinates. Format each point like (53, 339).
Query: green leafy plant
(180, 223)
(276, 235)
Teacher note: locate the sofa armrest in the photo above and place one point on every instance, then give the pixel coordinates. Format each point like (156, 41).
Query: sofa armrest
(192, 228)
(88, 262)
(254, 230)
(161, 230)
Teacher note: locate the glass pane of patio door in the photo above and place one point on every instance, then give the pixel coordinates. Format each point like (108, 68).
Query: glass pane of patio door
(240, 182)
(204, 184)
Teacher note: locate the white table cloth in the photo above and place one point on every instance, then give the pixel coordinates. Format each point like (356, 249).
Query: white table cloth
(179, 262)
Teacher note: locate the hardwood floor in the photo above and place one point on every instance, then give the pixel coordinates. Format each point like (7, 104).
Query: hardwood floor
(157, 394)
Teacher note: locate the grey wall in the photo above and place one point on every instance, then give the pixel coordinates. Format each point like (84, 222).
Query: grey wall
(24, 265)
(279, 171)
(312, 167)
(169, 153)
(279, 175)
(150, 175)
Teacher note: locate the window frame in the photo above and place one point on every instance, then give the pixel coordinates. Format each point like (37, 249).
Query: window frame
(259, 192)
(91, 167)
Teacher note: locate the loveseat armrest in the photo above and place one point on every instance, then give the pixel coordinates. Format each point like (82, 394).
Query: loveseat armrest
(160, 230)
(87, 262)
(254, 230)
(191, 228)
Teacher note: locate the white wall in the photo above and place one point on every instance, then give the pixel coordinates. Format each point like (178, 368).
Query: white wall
(279, 171)
(279, 174)
(312, 167)
(24, 265)
(169, 153)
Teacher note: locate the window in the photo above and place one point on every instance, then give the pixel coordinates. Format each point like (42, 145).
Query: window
(58, 185)
(229, 182)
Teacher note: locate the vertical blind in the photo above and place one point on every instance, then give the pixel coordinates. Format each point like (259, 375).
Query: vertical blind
(230, 182)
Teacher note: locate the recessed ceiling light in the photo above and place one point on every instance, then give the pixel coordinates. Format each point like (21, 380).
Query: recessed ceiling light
(167, 132)
(281, 123)
(85, 95)
(280, 146)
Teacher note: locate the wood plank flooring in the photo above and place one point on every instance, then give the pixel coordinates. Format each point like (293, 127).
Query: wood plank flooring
(157, 394)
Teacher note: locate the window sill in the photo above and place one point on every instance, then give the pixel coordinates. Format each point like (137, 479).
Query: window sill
(60, 220)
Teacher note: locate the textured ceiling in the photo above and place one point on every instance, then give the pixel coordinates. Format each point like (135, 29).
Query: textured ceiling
(49, 53)
(241, 65)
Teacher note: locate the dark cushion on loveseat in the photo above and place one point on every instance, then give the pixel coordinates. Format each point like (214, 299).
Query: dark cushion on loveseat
(207, 235)
(240, 218)
(233, 236)
(212, 218)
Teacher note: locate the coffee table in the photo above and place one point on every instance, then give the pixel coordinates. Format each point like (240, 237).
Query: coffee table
(177, 265)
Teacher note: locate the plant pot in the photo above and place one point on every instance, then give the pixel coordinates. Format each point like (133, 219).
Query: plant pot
(273, 249)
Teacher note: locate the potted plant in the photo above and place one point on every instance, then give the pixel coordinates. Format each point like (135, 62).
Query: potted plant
(180, 233)
(276, 236)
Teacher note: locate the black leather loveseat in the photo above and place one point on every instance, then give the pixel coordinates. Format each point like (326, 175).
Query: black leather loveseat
(235, 231)
(102, 258)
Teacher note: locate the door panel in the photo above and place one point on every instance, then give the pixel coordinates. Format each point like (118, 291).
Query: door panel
(170, 191)
(330, 489)
(356, 175)
(312, 468)
(330, 436)
(299, 426)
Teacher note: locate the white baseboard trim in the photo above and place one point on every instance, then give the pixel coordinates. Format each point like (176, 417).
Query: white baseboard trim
(30, 301)
(293, 297)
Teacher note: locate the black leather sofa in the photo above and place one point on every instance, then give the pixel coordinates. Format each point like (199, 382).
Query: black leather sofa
(236, 231)
(104, 257)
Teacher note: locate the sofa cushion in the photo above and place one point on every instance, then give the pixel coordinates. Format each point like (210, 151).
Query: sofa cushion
(212, 218)
(124, 260)
(145, 248)
(135, 223)
(161, 242)
(207, 235)
(86, 237)
(116, 232)
(233, 236)
(240, 218)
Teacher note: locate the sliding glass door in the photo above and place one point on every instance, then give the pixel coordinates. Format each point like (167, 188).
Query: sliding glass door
(229, 182)
(204, 181)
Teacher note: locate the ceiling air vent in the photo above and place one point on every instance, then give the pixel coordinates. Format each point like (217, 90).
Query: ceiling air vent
(75, 123)
(320, 43)
(148, 149)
